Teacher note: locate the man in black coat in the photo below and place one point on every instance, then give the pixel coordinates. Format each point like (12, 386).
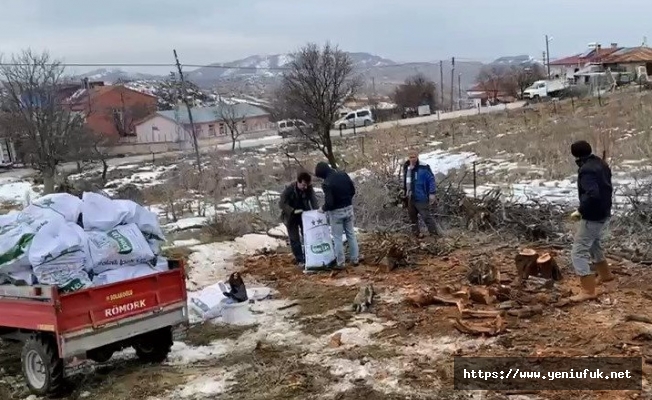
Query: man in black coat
(338, 205)
(595, 191)
(297, 197)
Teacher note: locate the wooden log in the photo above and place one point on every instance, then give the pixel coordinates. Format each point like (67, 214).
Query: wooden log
(525, 262)
(547, 267)
(495, 327)
(479, 294)
(466, 313)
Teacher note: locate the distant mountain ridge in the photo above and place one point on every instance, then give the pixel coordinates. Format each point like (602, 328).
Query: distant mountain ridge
(258, 75)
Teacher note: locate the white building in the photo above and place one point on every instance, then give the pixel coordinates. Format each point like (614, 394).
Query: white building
(7, 152)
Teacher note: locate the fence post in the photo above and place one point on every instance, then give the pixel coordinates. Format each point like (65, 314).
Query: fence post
(475, 186)
(340, 127)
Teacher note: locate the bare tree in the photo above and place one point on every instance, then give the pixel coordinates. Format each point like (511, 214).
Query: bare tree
(415, 91)
(522, 77)
(46, 131)
(491, 80)
(318, 82)
(233, 118)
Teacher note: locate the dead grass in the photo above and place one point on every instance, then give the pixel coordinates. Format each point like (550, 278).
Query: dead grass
(205, 333)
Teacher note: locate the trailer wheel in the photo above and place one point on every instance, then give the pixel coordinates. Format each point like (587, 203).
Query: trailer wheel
(42, 367)
(154, 347)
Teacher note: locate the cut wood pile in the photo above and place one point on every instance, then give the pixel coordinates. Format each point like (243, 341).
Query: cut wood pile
(492, 302)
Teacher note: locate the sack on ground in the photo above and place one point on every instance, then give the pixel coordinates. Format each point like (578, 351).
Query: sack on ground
(122, 246)
(147, 221)
(317, 240)
(64, 204)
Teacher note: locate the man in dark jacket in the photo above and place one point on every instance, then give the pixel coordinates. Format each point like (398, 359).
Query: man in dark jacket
(419, 193)
(595, 191)
(338, 205)
(295, 199)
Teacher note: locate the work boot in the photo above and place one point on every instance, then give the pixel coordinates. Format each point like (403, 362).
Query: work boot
(604, 274)
(588, 289)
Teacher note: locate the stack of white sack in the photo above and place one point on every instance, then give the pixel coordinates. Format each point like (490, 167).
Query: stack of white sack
(74, 243)
(124, 239)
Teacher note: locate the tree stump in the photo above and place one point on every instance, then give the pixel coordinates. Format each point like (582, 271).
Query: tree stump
(547, 267)
(526, 264)
(482, 271)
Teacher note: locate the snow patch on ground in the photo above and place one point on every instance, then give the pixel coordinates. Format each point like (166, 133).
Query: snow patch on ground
(14, 190)
(213, 262)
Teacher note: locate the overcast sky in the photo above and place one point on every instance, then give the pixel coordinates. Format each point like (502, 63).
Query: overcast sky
(208, 31)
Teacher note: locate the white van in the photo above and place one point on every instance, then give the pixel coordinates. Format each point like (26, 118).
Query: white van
(355, 118)
(287, 127)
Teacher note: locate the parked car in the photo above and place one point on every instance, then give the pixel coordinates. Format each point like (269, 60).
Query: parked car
(288, 127)
(355, 118)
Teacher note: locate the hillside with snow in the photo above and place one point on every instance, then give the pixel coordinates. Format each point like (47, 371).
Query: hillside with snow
(259, 75)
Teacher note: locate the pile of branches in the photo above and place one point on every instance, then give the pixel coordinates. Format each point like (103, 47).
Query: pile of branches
(380, 208)
(632, 226)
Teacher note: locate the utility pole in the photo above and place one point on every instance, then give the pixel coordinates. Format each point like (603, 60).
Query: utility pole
(184, 98)
(373, 85)
(548, 55)
(452, 83)
(459, 91)
(441, 82)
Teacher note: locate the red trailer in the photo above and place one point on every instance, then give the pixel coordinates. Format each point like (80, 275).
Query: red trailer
(92, 323)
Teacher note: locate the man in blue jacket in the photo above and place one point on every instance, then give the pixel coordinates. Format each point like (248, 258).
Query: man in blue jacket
(595, 190)
(338, 205)
(419, 192)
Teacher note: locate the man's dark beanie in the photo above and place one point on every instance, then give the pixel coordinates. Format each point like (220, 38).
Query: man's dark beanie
(581, 149)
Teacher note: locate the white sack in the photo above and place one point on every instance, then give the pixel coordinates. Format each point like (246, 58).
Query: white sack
(64, 204)
(124, 245)
(66, 272)
(146, 220)
(123, 274)
(318, 245)
(209, 302)
(102, 214)
(55, 239)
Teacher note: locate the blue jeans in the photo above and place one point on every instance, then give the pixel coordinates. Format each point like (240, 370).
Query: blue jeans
(341, 221)
(587, 246)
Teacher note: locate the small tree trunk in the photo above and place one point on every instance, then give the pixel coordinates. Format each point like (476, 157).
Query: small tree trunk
(328, 147)
(105, 169)
(48, 181)
(233, 140)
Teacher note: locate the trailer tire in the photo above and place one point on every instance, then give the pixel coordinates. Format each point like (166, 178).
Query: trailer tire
(42, 367)
(154, 347)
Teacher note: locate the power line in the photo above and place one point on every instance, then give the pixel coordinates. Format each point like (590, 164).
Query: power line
(216, 66)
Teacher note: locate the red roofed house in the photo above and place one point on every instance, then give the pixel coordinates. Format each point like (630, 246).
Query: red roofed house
(567, 66)
(112, 110)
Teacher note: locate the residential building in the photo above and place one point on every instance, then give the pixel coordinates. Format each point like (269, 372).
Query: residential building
(210, 122)
(112, 110)
(630, 59)
(483, 95)
(7, 152)
(566, 67)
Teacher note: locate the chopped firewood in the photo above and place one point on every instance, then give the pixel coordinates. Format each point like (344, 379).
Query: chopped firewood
(525, 262)
(495, 327)
(501, 292)
(425, 299)
(526, 312)
(547, 267)
(506, 305)
(644, 333)
(638, 318)
(466, 313)
(481, 295)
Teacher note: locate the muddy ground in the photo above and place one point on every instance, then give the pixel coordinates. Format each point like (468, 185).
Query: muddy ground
(410, 356)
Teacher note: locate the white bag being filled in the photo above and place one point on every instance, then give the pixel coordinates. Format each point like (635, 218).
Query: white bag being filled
(317, 240)
(122, 246)
(59, 256)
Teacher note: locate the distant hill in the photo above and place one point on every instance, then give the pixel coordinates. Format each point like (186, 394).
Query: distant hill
(259, 75)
